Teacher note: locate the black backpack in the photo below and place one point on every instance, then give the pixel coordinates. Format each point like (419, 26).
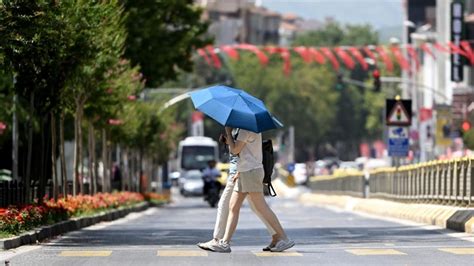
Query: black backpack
(268, 162)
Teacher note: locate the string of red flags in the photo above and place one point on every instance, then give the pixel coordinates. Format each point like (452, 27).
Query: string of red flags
(407, 57)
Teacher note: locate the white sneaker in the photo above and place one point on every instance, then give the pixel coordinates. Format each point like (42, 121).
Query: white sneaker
(282, 245)
(206, 245)
(222, 247)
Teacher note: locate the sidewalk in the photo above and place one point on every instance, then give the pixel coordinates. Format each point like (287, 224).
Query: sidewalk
(450, 217)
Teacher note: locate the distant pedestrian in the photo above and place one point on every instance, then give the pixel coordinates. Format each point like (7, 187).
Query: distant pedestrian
(248, 146)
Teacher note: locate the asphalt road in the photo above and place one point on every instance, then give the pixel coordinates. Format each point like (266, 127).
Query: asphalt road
(167, 236)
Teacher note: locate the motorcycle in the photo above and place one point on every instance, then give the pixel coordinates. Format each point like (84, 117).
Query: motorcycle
(213, 194)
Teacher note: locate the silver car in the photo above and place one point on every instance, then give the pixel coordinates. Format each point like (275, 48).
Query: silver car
(191, 183)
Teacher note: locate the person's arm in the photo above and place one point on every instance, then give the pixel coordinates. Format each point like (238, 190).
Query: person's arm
(234, 146)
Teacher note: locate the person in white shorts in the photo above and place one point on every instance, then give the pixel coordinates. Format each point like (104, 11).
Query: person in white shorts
(223, 208)
(250, 183)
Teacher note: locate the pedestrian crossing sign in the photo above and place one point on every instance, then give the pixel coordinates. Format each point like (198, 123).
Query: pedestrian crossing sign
(398, 112)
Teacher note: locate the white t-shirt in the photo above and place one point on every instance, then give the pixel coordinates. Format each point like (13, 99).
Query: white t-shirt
(250, 156)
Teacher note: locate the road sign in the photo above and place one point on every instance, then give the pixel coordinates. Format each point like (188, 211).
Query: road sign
(457, 35)
(398, 112)
(398, 141)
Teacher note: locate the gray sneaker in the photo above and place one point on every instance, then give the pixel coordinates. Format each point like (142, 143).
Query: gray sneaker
(282, 245)
(221, 247)
(206, 245)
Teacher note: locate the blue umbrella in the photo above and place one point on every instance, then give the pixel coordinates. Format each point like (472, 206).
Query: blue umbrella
(234, 108)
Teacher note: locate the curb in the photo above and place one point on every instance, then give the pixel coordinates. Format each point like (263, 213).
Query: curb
(449, 217)
(50, 231)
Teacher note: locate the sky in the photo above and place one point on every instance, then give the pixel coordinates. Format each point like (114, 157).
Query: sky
(379, 13)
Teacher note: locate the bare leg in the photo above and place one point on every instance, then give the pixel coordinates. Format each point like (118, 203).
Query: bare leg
(270, 230)
(262, 207)
(236, 201)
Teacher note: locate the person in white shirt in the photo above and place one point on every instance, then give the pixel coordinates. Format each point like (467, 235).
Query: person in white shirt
(249, 183)
(223, 206)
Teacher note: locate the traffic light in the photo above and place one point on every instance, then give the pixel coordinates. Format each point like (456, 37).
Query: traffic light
(377, 83)
(465, 126)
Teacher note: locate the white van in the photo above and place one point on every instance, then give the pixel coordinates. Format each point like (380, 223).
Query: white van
(194, 153)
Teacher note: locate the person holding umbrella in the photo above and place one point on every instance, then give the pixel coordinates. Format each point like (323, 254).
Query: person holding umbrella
(235, 108)
(223, 206)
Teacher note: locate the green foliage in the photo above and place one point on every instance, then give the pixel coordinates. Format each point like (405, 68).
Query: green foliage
(357, 110)
(334, 34)
(162, 36)
(469, 139)
(305, 99)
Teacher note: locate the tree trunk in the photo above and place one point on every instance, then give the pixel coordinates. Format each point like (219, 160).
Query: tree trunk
(76, 153)
(30, 147)
(44, 150)
(125, 172)
(140, 171)
(94, 162)
(80, 151)
(111, 166)
(104, 161)
(53, 157)
(62, 154)
(91, 152)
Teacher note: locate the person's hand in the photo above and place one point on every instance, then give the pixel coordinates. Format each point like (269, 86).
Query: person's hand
(228, 130)
(235, 177)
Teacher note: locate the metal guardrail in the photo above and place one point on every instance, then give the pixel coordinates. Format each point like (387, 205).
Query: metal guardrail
(443, 182)
(346, 184)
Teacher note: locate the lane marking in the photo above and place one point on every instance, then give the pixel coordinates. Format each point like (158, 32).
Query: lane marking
(85, 253)
(181, 253)
(277, 254)
(370, 252)
(459, 251)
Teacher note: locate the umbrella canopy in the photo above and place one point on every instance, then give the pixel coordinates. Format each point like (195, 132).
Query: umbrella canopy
(234, 108)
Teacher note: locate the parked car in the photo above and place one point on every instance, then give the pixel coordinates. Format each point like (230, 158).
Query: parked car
(191, 183)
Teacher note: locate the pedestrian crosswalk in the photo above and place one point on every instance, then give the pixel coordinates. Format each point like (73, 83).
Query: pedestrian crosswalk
(180, 252)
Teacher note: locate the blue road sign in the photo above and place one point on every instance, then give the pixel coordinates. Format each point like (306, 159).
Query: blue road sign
(398, 142)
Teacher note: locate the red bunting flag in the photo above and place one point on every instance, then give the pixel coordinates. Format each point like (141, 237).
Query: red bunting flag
(426, 49)
(385, 58)
(457, 50)
(369, 53)
(204, 55)
(413, 55)
(329, 55)
(345, 57)
(441, 48)
(214, 57)
(317, 56)
(230, 51)
(358, 55)
(402, 61)
(285, 55)
(466, 46)
(254, 49)
(304, 53)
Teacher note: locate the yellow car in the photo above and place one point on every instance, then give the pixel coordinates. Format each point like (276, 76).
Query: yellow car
(224, 168)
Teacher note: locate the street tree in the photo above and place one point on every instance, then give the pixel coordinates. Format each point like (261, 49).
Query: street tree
(162, 36)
